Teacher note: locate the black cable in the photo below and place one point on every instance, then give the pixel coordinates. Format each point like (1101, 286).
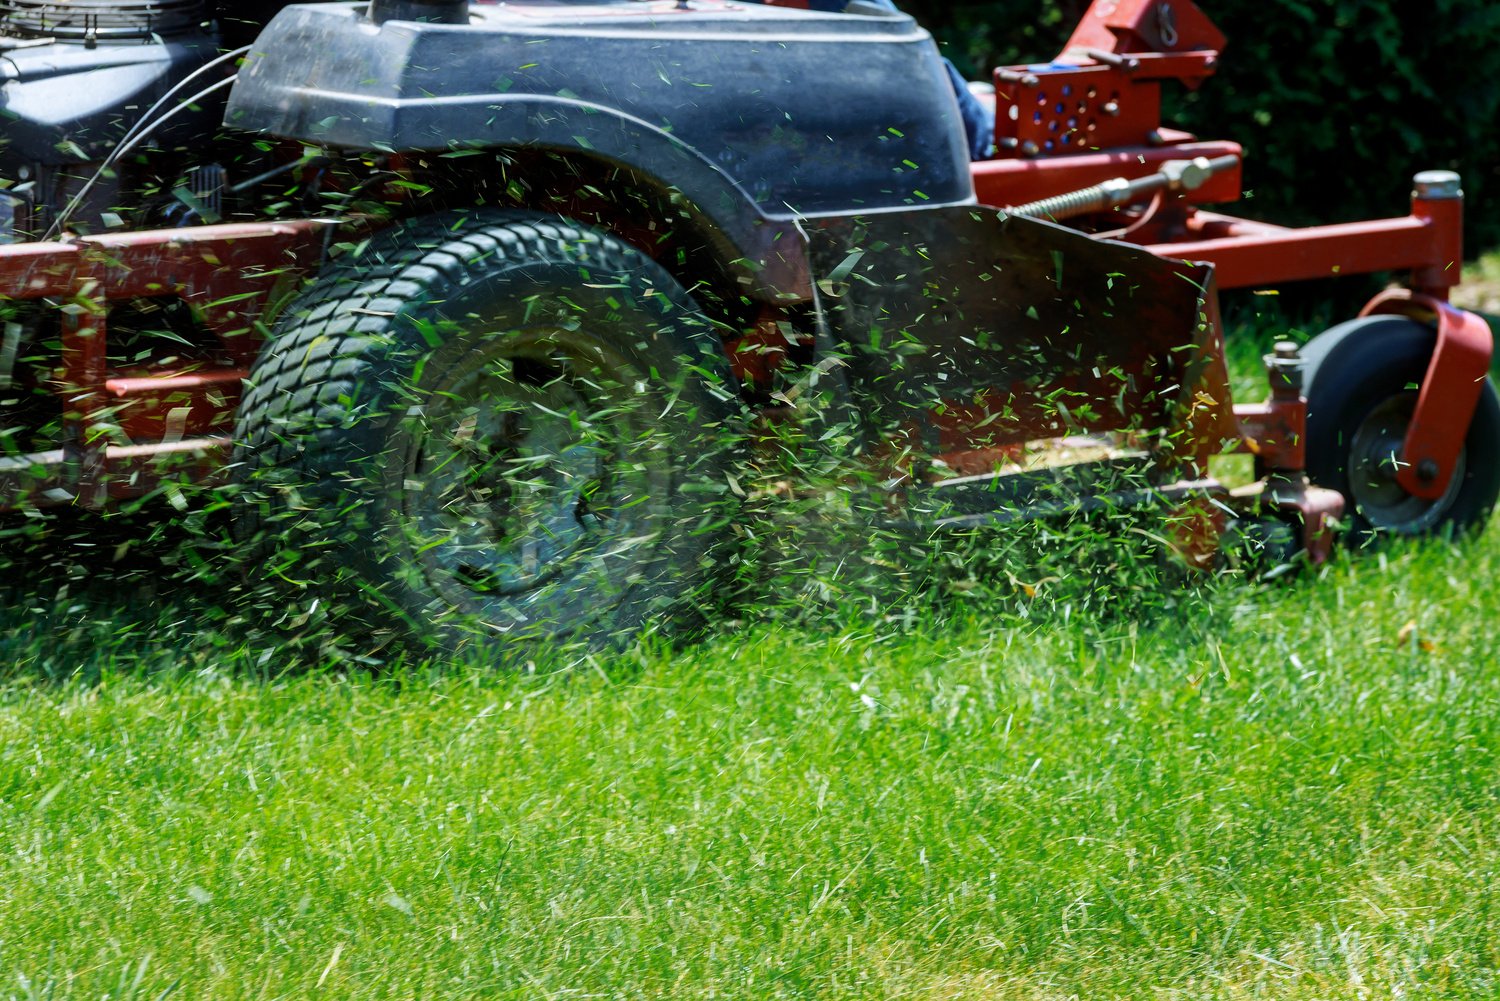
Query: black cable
(259, 179)
(181, 85)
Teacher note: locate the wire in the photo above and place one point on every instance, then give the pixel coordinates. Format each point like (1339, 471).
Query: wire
(274, 172)
(141, 127)
(125, 147)
(180, 86)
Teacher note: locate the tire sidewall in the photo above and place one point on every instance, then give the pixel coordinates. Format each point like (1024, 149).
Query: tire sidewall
(608, 293)
(1356, 367)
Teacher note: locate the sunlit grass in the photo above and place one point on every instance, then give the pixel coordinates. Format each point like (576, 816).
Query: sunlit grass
(1481, 285)
(1283, 792)
(1034, 788)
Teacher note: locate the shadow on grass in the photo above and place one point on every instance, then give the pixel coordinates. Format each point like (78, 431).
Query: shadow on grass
(84, 595)
(156, 592)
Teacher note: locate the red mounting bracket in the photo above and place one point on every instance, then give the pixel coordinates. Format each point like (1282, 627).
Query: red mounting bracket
(1449, 393)
(1132, 26)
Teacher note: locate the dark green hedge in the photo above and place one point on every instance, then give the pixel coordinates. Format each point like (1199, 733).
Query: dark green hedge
(1337, 102)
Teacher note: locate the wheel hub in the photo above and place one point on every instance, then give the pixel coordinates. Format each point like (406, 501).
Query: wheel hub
(1374, 461)
(522, 475)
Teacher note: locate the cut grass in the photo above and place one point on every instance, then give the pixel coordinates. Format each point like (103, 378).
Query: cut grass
(1095, 788)
(1277, 793)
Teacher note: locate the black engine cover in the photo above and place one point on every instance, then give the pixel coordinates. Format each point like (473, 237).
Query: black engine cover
(65, 102)
(74, 78)
(802, 112)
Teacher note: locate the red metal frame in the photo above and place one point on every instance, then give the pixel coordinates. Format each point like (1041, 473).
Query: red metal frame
(1449, 394)
(1132, 26)
(1091, 115)
(1017, 180)
(123, 430)
(1274, 432)
(1249, 254)
(1094, 114)
(1109, 77)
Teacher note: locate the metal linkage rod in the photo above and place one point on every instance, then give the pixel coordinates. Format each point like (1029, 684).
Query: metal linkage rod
(1175, 175)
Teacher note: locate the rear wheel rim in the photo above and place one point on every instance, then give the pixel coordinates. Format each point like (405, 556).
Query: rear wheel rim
(533, 474)
(1374, 453)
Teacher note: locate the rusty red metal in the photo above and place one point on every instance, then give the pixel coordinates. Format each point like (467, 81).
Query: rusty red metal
(1316, 509)
(1104, 90)
(1016, 180)
(121, 429)
(136, 470)
(1450, 390)
(1253, 255)
(1091, 115)
(173, 404)
(1094, 113)
(1056, 110)
(1440, 271)
(1055, 137)
(1136, 26)
(1274, 431)
(228, 273)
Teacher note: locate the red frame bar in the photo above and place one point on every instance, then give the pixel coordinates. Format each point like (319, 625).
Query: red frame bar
(1118, 53)
(1136, 26)
(1093, 114)
(229, 274)
(1449, 394)
(1256, 255)
(1017, 181)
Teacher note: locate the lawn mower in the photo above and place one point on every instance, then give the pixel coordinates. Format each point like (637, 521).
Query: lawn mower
(471, 310)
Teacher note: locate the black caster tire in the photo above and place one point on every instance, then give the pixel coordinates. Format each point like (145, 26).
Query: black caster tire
(1361, 385)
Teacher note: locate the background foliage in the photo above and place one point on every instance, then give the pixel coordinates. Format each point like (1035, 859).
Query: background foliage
(1337, 102)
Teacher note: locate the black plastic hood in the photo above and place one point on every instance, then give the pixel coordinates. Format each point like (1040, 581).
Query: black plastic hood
(64, 102)
(800, 112)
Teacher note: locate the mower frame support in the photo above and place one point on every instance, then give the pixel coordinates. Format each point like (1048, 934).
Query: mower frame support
(1449, 394)
(229, 275)
(1094, 114)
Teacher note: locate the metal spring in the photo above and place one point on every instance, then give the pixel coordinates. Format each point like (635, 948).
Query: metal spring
(1085, 200)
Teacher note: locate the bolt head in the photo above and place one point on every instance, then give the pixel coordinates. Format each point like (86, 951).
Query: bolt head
(1427, 470)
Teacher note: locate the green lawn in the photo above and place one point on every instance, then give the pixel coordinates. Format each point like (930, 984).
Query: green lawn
(1106, 788)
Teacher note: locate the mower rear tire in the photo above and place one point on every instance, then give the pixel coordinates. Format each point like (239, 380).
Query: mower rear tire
(491, 426)
(1361, 384)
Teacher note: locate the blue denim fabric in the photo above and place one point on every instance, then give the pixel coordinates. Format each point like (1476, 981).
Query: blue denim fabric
(978, 128)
